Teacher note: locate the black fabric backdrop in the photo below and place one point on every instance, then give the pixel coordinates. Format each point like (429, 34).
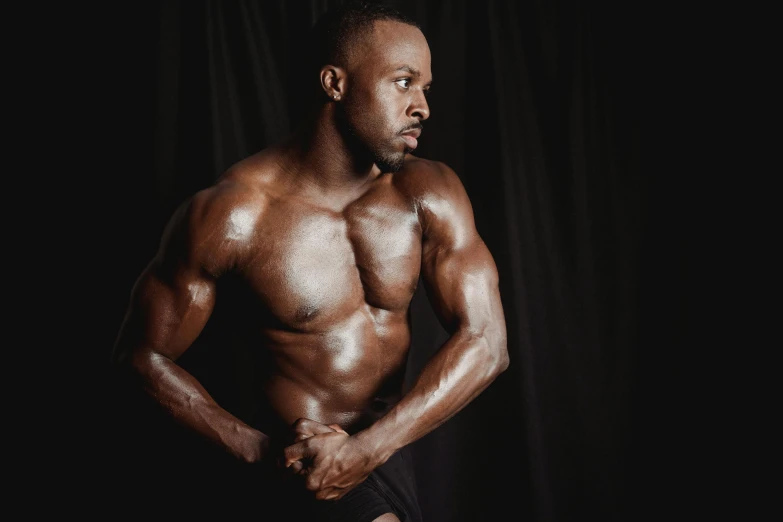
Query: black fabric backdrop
(542, 108)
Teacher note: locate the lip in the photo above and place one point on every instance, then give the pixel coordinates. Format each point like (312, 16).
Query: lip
(410, 138)
(410, 141)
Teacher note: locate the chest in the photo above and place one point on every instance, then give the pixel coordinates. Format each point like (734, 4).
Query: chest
(313, 265)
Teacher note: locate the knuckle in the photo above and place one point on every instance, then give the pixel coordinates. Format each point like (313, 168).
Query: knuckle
(312, 483)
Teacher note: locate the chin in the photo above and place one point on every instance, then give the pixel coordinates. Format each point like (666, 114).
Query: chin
(391, 162)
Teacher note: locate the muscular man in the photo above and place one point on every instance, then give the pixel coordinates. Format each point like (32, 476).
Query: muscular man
(310, 252)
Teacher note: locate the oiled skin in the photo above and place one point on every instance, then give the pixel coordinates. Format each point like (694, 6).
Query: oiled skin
(319, 277)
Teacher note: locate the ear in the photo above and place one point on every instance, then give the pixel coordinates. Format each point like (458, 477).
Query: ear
(333, 81)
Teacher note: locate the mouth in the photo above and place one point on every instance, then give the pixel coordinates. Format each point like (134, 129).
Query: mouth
(410, 138)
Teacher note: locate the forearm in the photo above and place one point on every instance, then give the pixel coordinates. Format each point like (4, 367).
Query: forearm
(460, 371)
(188, 403)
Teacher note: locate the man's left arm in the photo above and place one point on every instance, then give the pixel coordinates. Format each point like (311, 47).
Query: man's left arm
(461, 280)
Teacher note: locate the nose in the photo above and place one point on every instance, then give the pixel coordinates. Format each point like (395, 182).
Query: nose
(419, 107)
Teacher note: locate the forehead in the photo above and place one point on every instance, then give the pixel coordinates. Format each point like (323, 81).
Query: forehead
(394, 44)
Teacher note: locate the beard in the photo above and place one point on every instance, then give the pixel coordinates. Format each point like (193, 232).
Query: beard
(386, 159)
(390, 162)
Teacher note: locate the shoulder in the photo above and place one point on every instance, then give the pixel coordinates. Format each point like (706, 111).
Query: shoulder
(422, 178)
(435, 190)
(217, 224)
(232, 198)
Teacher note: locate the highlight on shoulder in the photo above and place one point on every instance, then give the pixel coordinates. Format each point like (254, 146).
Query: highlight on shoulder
(421, 177)
(229, 208)
(217, 225)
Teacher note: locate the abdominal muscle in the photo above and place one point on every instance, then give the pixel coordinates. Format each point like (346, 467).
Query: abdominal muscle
(348, 373)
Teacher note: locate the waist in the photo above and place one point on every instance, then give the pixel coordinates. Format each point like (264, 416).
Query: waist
(344, 375)
(284, 402)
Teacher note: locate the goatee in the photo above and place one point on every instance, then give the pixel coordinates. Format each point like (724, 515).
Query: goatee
(391, 162)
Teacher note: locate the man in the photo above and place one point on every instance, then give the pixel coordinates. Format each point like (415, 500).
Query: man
(310, 252)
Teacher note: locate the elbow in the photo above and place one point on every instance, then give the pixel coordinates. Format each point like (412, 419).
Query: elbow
(131, 366)
(127, 358)
(501, 359)
(498, 342)
(126, 382)
(496, 350)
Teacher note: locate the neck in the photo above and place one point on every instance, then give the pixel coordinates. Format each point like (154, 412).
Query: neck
(324, 156)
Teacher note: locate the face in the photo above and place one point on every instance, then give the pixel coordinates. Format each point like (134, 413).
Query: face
(385, 96)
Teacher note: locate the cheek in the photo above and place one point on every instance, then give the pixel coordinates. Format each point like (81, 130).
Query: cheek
(391, 104)
(377, 114)
(373, 120)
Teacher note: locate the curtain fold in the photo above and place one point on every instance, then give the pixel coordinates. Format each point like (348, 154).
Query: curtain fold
(533, 106)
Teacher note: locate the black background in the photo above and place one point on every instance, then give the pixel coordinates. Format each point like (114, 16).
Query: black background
(557, 116)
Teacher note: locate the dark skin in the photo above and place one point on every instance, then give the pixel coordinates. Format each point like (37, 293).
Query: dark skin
(327, 250)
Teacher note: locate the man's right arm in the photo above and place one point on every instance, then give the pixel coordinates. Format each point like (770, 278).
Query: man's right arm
(170, 304)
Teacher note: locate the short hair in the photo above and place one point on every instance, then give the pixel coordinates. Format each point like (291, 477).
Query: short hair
(339, 29)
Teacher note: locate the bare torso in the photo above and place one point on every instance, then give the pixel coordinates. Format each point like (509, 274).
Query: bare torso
(311, 273)
(321, 295)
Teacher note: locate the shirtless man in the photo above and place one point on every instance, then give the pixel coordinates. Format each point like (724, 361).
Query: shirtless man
(313, 250)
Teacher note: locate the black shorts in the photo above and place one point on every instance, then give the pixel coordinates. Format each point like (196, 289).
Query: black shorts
(391, 488)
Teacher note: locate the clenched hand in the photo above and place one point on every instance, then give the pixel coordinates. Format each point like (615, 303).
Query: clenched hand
(333, 461)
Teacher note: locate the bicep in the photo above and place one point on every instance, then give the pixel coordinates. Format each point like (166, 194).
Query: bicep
(462, 285)
(167, 311)
(458, 269)
(172, 299)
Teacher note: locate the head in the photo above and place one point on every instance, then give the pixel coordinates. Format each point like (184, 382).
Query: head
(373, 76)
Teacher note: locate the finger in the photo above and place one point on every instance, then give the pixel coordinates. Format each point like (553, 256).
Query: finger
(327, 496)
(297, 467)
(310, 427)
(332, 493)
(297, 452)
(336, 427)
(313, 483)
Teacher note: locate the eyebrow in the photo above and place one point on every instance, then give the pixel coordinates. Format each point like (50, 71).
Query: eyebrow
(411, 70)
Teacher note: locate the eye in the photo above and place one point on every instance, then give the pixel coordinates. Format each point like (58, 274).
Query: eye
(407, 82)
